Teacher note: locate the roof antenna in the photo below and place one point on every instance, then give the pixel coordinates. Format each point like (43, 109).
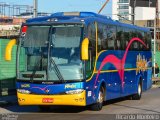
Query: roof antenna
(103, 6)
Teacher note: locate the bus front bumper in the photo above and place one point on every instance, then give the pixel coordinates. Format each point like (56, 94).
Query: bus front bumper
(70, 99)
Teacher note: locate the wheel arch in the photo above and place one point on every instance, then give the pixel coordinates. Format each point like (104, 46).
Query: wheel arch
(139, 80)
(103, 84)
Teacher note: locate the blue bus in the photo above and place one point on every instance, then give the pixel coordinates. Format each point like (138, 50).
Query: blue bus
(80, 59)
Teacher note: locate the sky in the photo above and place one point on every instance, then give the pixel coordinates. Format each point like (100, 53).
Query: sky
(52, 6)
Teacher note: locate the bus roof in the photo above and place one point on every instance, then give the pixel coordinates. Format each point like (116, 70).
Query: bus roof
(82, 17)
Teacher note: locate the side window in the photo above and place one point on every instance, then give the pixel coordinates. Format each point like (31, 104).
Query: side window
(111, 36)
(146, 38)
(118, 42)
(123, 40)
(102, 37)
(145, 41)
(149, 40)
(126, 37)
(135, 44)
(141, 46)
(92, 34)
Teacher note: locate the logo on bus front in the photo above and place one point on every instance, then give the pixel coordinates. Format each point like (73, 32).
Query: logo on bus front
(70, 86)
(25, 85)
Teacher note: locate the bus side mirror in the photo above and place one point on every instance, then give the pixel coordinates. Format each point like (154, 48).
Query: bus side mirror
(84, 49)
(8, 52)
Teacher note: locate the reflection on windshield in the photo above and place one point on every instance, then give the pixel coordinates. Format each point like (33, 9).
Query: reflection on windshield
(34, 53)
(65, 51)
(35, 44)
(35, 60)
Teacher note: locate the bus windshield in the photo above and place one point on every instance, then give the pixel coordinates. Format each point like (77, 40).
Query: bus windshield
(50, 53)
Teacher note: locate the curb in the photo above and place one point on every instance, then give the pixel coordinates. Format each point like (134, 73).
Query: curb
(155, 86)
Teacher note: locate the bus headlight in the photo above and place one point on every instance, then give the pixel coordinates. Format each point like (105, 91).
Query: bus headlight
(77, 91)
(23, 91)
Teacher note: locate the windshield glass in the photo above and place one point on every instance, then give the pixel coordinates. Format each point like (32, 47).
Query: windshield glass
(53, 56)
(33, 53)
(65, 52)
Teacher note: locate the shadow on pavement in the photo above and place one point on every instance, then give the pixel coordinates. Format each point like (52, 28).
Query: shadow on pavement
(15, 108)
(65, 109)
(75, 109)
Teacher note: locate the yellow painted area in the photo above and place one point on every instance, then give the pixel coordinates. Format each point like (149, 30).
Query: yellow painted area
(73, 99)
(84, 49)
(8, 52)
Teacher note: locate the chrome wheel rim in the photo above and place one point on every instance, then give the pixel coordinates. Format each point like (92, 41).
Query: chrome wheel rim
(100, 97)
(139, 89)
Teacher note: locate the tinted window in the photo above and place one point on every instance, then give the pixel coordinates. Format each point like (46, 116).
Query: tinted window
(118, 42)
(126, 37)
(149, 40)
(111, 36)
(135, 45)
(102, 37)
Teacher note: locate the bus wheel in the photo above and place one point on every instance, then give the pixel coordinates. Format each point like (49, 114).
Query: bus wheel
(138, 95)
(99, 104)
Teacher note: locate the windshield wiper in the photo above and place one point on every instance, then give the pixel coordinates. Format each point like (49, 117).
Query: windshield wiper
(35, 69)
(56, 70)
(37, 66)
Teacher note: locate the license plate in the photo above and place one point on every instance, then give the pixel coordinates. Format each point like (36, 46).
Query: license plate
(47, 100)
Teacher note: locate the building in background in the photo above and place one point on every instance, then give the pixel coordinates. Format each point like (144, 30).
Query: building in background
(9, 22)
(121, 10)
(130, 10)
(139, 12)
(12, 16)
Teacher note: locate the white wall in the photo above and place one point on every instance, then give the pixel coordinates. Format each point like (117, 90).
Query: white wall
(130, 12)
(114, 9)
(144, 13)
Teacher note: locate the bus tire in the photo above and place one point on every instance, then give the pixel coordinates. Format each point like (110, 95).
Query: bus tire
(99, 104)
(138, 95)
